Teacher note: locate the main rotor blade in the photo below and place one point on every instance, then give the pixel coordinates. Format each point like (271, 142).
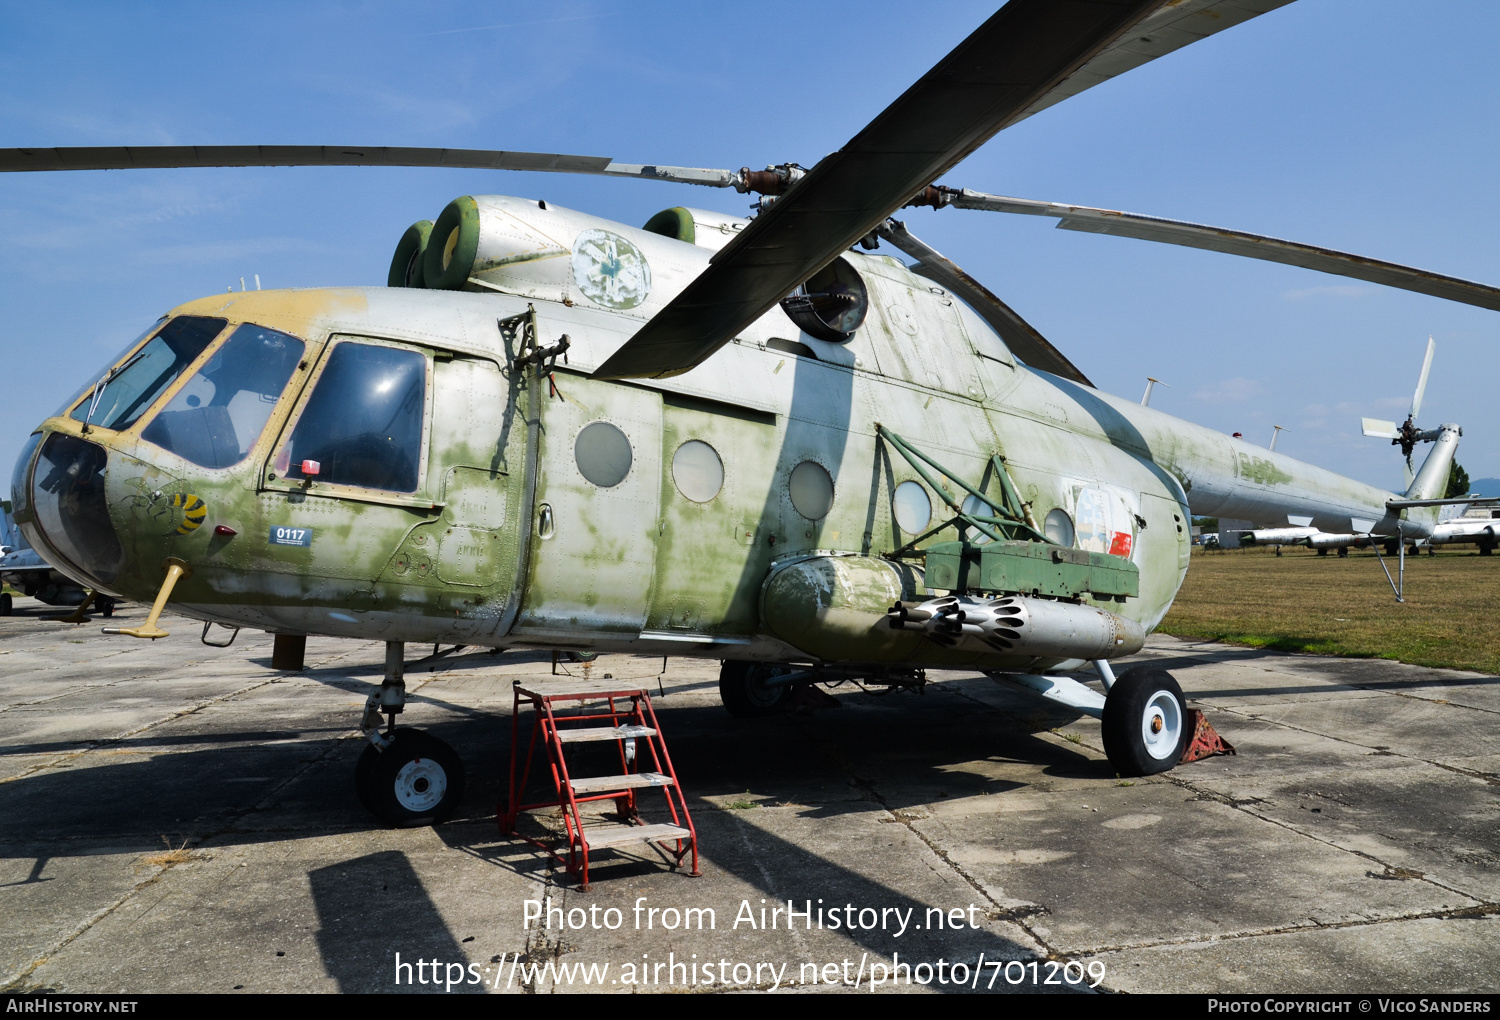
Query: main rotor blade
(1020, 54)
(1019, 335)
(1416, 399)
(1170, 28)
(123, 157)
(1237, 242)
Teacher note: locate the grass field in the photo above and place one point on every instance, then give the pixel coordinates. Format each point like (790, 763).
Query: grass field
(1302, 602)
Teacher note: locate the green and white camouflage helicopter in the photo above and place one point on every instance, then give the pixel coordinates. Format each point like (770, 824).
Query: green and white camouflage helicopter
(758, 441)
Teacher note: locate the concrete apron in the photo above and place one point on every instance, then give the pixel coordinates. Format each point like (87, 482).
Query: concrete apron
(180, 818)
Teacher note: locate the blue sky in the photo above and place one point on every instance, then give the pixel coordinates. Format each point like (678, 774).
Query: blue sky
(1368, 126)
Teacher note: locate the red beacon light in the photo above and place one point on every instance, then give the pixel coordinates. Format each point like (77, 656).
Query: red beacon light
(310, 468)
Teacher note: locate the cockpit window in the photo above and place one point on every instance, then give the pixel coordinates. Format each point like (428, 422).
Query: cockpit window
(220, 412)
(128, 389)
(92, 382)
(363, 423)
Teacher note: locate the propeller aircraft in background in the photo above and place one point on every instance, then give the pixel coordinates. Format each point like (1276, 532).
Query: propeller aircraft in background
(1448, 530)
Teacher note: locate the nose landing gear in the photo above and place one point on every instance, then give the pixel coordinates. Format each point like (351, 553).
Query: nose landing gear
(415, 780)
(405, 777)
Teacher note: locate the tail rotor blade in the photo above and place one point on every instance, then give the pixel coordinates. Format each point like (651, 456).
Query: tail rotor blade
(1377, 429)
(1416, 399)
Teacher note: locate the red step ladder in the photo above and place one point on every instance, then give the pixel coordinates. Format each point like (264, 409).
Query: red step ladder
(600, 710)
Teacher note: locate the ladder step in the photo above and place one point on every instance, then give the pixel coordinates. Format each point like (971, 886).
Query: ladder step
(603, 733)
(598, 784)
(619, 835)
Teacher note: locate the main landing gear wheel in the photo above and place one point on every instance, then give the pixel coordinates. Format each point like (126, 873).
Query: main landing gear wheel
(417, 780)
(6, 605)
(745, 692)
(1145, 722)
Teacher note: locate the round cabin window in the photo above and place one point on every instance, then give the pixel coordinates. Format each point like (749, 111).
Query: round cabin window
(698, 471)
(912, 507)
(1059, 527)
(603, 454)
(811, 489)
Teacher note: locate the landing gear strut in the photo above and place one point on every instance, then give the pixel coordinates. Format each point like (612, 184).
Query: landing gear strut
(405, 777)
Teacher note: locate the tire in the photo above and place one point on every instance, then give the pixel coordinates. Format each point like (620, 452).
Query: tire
(581, 656)
(7, 604)
(106, 606)
(1145, 722)
(418, 780)
(746, 695)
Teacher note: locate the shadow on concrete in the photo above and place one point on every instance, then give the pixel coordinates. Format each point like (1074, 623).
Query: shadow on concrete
(872, 756)
(367, 905)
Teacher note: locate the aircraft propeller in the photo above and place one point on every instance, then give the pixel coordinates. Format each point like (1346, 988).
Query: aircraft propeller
(1406, 435)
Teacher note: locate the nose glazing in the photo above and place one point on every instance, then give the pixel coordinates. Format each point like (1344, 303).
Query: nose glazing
(71, 507)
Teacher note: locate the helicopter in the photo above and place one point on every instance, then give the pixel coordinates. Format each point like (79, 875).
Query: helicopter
(757, 440)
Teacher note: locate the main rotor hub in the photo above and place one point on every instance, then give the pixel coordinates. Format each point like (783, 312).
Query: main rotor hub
(773, 180)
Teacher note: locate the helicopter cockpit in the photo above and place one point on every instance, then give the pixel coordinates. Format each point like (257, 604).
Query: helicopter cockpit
(201, 408)
(213, 420)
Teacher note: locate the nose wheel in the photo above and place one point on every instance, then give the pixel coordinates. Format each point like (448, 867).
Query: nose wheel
(415, 780)
(1145, 724)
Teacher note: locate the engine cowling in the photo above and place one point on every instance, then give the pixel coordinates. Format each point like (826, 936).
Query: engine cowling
(407, 263)
(834, 606)
(483, 239)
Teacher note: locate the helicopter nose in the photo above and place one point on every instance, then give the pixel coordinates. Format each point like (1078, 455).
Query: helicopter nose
(72, 510)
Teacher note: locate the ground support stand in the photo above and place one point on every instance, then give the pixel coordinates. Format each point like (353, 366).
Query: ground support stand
(587, 711)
